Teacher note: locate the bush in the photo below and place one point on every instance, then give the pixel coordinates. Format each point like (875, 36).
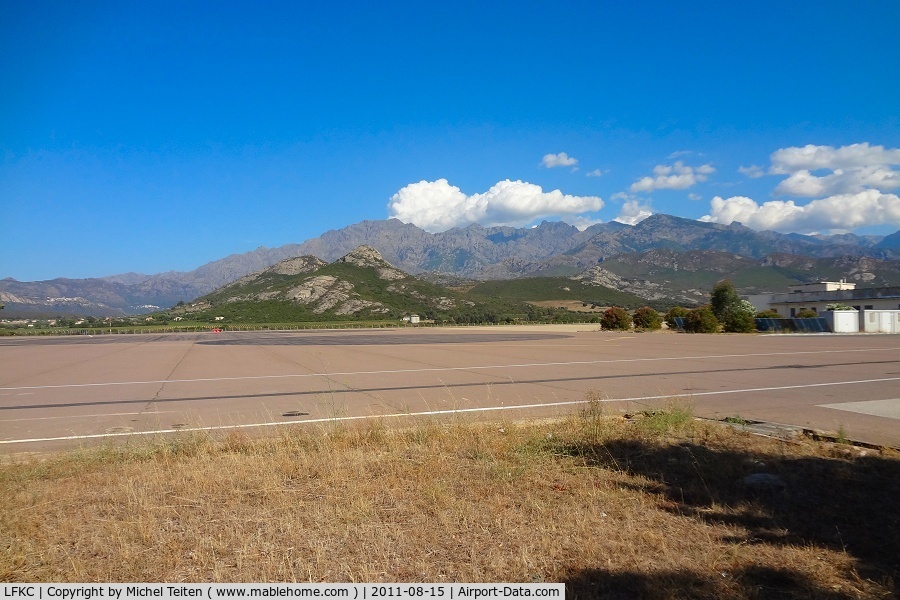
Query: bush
(839, 306)
(647, 318)
(615, 318)
(724, 299)
(701, 320)
(677, 311)
(807, 313)
(769, 314)
(739, 317)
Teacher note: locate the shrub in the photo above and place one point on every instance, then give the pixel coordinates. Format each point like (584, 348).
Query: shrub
(739, 317)
(701, 320)
(677, 311)
(839, 306)
(807, 313)
(647, 318)
(615, 318)
(768, 314)
(724, 299)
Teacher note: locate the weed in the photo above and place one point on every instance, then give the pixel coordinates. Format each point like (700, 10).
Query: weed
(673, 419)
(842, 437)
(736, 420)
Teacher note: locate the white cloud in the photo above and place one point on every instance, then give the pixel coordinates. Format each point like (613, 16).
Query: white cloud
(838, 212)
(582, 223)
(595, 173)
(558, 160)
(753, 171)
(854, 191)
(675, 177)
(809, 158)
(853, 169)
(694, 197)
(633, 212)
(438, 206)
(840, 181)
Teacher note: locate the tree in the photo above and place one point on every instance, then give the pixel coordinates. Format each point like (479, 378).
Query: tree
(615, 317)
(740, 318)
(701, 320)
(647, 318)
(724, 298)
(734, 314)
(675, 311)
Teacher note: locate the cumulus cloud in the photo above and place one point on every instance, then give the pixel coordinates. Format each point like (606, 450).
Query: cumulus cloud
(840, 181)
(582, 223)
(558, 160)
(675, 177)
(595, 173)
(851, 186)
(633, 212)
(838, 212)
(753, 171)
(810, 158)
(438, 206)
(851, 169)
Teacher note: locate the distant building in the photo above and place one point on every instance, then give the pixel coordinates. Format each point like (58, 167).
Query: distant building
(817, 296)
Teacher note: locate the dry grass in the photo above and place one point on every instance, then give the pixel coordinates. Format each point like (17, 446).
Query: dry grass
(652, 509)
(570, 305)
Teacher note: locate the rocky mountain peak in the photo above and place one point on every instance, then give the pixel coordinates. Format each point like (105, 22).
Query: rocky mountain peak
(364, 256)
(297, 265)
(367, 256)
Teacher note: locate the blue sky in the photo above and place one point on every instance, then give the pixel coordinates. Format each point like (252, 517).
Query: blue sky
(153, 136)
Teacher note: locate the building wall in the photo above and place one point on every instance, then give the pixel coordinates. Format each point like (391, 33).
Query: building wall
(788, 305)
(879, 321)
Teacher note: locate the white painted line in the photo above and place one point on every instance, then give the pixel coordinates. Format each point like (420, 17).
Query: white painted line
(155, 412)
(443, 369)
(443, 412)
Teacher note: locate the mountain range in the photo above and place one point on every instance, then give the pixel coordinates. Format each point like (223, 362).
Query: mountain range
(476, 253)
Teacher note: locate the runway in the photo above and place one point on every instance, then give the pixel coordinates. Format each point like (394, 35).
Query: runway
(63, 392)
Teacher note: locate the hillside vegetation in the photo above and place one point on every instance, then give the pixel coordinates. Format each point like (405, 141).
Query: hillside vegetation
(360, 285)
(535, 289)
(676, 272)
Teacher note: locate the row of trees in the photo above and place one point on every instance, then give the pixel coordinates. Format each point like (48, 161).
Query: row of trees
(725, 311)
(619, 318)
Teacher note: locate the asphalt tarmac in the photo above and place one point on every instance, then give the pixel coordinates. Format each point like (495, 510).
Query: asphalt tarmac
(64, 392)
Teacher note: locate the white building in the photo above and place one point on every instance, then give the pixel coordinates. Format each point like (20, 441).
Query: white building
(817, 296)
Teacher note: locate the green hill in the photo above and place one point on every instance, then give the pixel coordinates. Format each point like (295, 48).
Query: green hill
(358, 286)
(537, 289)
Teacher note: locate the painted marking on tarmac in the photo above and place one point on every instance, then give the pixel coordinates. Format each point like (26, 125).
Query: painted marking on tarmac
(155, 412)
(444, 412)
(441, 369)
(887, 409)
